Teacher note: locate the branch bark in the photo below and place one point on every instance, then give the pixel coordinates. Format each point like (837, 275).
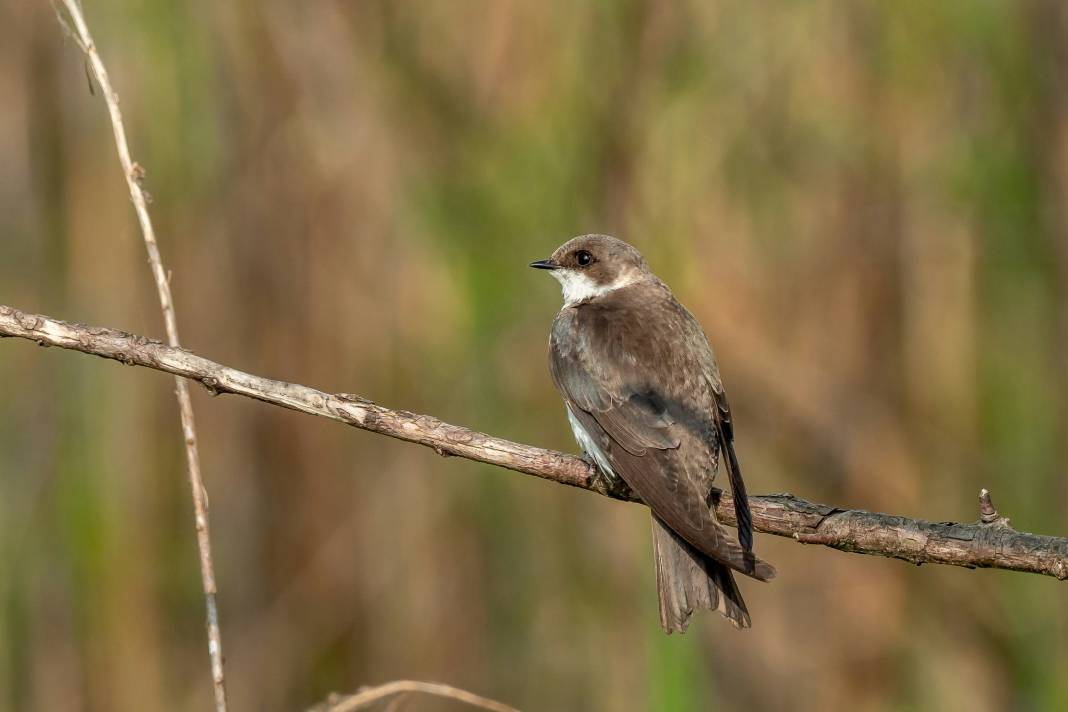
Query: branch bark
(988, 543)
(365, 698)
(135, 174)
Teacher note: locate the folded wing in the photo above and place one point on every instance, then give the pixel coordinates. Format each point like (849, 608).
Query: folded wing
(664, 452)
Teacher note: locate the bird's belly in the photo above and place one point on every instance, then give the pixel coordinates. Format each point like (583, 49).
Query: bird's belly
(589, 446)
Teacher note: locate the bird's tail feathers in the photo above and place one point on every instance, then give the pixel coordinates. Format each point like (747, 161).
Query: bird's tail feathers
(687, 580)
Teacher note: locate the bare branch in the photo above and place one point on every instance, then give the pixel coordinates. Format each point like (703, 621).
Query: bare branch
(365, 697)
(975, 545)
(134, 175)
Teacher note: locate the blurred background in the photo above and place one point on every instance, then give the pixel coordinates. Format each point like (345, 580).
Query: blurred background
(863, 202)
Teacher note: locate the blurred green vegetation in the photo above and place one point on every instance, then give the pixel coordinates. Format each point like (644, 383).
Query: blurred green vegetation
(863, 202)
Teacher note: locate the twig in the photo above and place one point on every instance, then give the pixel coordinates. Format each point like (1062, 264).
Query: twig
(134, 175)
(975, 545)
(987, 513)
(364, 698)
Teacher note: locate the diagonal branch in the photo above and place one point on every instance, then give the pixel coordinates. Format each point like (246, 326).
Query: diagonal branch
(134, 175)
(989, 543)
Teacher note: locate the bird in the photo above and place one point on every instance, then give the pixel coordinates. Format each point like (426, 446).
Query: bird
(645, 401)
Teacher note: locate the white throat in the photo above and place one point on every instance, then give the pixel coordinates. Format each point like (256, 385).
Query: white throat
(579, 287)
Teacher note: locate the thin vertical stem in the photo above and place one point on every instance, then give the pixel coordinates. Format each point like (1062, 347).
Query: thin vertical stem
(134, 174)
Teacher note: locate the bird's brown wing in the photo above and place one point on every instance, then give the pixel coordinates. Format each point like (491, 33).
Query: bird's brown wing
(725, 429)
(662, 452)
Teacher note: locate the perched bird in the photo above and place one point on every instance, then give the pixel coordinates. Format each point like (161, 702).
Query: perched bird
(645, 401)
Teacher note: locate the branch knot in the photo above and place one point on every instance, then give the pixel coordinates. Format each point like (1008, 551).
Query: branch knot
(988, 515)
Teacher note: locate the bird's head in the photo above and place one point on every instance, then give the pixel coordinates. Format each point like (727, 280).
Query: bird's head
(591, 265)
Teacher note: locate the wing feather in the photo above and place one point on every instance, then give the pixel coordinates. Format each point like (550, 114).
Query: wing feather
(664, 453)
(725, 426)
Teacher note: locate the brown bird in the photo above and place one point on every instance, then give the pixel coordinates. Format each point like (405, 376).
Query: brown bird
(645, 401)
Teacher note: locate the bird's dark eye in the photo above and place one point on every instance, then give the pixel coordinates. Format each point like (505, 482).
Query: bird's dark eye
(583, 258)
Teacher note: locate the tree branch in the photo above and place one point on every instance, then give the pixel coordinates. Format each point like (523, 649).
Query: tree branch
(369, 696)
(989, 543)
(135, 174)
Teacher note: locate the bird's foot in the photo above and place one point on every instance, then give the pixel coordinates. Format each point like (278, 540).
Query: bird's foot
(617, 488)
(712, 499)
(613, 486)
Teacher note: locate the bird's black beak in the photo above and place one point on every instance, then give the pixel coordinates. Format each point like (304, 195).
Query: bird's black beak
(544, 264)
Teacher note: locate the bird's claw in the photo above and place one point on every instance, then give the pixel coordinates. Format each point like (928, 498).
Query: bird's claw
(613, 486)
